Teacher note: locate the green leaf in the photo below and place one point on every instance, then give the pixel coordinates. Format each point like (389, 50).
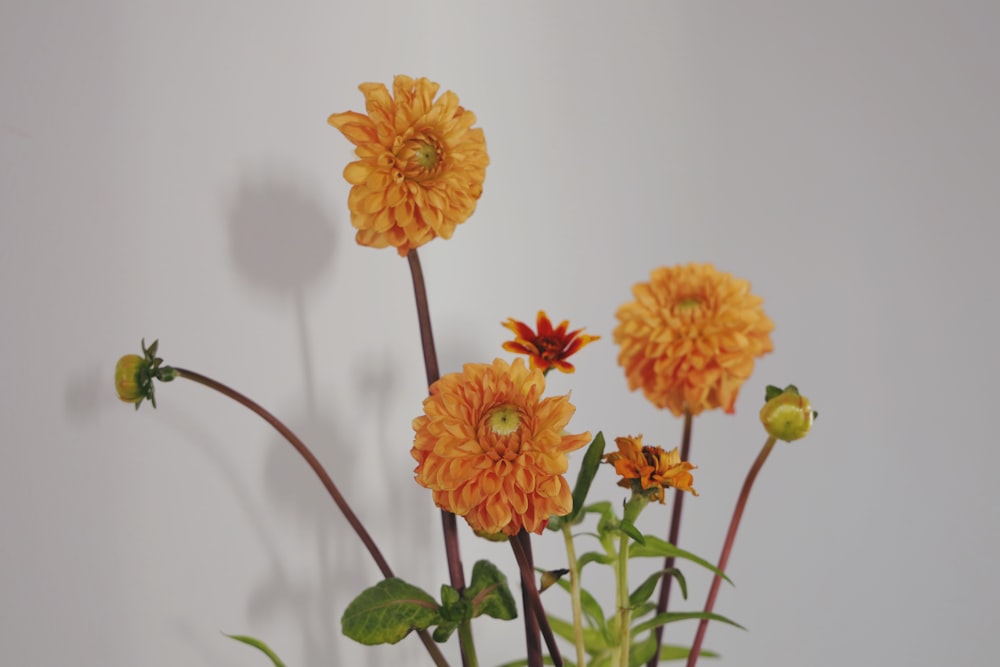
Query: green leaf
(444, 631)
(387, 612)
(673, 616)
(602, 507)
(489, 594)
(257, 644)
(591, 609)
(545, 659)
(629, 529)
(588, 470)
(641, 652)
(654, 546)
(646, 588)
(594, 641)
(594, 556)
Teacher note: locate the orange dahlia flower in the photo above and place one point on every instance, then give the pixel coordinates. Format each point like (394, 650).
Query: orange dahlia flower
(421, 164)
(548, 348)
(645, 468)
(690, 338)
(493, 450)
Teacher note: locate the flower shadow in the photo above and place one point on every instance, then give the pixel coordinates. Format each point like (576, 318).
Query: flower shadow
(281, 238)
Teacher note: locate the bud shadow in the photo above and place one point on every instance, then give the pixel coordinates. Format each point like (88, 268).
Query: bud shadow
(87, 391)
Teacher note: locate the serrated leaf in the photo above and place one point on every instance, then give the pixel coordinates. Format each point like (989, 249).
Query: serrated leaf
(387, 612)
(674, 616)
(654, 546)
(259, 645)
(588, 470)
(489, 593)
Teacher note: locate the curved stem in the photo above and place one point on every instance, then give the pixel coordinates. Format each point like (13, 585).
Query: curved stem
(324, 477)
(673, 536)
(727, 547)
(449, 524)
(574, 592)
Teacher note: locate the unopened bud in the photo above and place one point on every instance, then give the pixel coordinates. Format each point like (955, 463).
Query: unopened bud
(551, 577)
(787, 415)
(134, 375)
(128, 378)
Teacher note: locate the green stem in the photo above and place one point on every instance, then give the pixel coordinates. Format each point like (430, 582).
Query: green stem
(574, 592)
(465, 640)
(624, 606)
(674, 535)
(449, 524)
(324, 477)
(727, 547)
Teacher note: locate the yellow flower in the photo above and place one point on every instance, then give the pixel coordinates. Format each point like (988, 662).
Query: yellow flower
(690, 337)
(548, 348)
(650, 467)
(493, 450)
(421, 164)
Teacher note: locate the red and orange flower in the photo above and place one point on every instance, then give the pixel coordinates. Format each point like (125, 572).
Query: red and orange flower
(643, 468)
(493, 450)
(690, 338)
(421, 164)
(546, 348)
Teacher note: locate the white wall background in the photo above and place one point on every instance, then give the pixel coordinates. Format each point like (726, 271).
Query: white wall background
(166, 171)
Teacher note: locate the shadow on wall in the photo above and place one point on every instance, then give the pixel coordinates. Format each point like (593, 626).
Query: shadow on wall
(282, 242)
(281, 238)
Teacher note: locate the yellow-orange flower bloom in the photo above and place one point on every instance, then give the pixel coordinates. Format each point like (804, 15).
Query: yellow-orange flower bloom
(421, 164)
(547, 348)
(493, 450)
(690, 338)
(650, 467)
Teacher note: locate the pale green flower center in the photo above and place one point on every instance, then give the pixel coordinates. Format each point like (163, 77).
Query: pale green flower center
(504, 420)
(689, 303)
(426, 156)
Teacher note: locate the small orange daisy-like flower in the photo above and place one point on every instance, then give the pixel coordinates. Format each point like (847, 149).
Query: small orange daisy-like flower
(421, 164)
(650, 467)
(493, 450)
(690, 338)
(547, 348)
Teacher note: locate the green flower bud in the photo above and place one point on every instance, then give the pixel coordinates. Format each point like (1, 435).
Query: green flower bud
(786, 415)
(128, 379)
(134, 375)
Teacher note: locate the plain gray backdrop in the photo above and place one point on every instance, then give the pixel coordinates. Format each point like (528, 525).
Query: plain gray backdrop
(166, 171)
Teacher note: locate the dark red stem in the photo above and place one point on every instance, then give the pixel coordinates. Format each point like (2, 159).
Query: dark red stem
(727, 548)
(449, 524)
(517, 543)
(324, 477)
(532, 638)
(674, 535)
